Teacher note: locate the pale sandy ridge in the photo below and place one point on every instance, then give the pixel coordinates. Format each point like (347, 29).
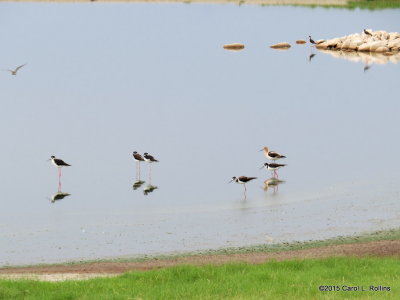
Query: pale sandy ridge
(386, 248)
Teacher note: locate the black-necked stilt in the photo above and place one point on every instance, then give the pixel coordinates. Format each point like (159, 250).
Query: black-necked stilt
(59, 163)
(311, 40)
(273, 167)
(242, 180)
(272, 182)
(150, 159)
(272, 155)
(367, 32)
(138, 158)
(14, 72)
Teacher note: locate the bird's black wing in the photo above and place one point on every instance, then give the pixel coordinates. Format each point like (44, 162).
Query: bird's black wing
(60, 162)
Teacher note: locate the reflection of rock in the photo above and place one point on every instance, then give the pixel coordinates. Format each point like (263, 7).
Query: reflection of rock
(149, 189)
(281, 46)
(235, 46)
(137, 184)
(58, 196)
(366, 58)
(272, 183)
(367, 41)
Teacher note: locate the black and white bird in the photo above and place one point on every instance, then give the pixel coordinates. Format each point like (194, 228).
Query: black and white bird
(148, 158)
(14, 72)
(272, 155)
(138, 158)
(242, 180)
(59, 163)
(311, 40)
(367, 32)
(272, 167)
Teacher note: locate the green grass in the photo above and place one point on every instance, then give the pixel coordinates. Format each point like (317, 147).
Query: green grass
(298, 279)
(374, 4)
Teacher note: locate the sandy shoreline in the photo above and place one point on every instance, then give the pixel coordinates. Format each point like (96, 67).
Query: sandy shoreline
(258, 2)
(384, 248)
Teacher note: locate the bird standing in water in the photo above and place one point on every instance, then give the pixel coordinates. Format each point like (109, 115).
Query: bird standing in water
(273, 167)
(272, 155)
(138, 158)
(150, 159)
(59, 163)
(311, 40)
(242, 180)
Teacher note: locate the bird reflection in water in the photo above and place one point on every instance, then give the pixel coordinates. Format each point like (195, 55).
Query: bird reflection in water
(59, 195)
(273, 183)
(310, 57)
(137, 184)
(149, 189)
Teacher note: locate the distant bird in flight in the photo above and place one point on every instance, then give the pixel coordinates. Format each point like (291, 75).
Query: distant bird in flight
(14, 72)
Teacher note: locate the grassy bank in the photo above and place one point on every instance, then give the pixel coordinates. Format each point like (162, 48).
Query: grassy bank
(374, 4)
(273, 280)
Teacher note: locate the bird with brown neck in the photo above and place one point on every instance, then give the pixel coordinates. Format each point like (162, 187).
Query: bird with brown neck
(272, 155)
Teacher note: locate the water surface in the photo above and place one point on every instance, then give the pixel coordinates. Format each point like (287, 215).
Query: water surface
(107, 79)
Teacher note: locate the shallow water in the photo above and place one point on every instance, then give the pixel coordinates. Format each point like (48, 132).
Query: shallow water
(103, 80)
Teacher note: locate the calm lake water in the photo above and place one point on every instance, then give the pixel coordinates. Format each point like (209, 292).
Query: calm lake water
(104, 80)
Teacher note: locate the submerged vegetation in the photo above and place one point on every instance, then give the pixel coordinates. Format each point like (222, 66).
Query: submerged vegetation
(296, 279)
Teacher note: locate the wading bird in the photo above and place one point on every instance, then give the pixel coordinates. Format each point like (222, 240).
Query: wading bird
(311, 40)
(272, 155)
(59, 163)
(150, 159)
(138, 158)
(242, 180)
(14, 72)
(272, 167)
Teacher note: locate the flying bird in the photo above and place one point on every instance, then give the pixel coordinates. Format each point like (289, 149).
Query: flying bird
(14, 72)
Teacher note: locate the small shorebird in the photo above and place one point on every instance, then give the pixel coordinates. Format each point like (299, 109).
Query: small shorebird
(150, 159)
(367, 32)
(272, 167)
(138, 158)
(272, 155)
(14, 72)
(59, 163)
(311, 40)
(242, 180)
